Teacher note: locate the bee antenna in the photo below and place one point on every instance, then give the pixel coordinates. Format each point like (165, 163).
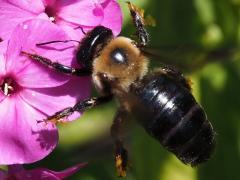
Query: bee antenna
(80, 27)
(51, 42)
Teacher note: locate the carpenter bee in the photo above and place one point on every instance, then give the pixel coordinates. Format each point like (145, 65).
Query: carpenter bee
(161, 101)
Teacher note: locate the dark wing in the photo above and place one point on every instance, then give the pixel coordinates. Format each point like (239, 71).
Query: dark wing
(186, 57)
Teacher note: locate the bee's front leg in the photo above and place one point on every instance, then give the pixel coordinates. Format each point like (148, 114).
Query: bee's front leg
(79, 107)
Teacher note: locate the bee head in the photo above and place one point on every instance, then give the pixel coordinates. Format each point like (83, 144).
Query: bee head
(121, 62)
(92, 44)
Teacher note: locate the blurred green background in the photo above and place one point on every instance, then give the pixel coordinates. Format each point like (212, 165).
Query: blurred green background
(200, 36)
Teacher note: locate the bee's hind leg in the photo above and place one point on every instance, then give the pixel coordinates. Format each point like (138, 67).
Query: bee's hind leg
(121, 154)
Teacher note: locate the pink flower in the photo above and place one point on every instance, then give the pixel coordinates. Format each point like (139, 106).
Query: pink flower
(67, 14)
(30, 91)
(17, 172)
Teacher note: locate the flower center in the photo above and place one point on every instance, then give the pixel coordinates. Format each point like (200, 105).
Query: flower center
(51, 12)
(8, 86)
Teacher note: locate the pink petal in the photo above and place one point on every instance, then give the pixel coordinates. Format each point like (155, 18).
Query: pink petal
(82, 12)
(3, 48)
(10, 16)
(113, 22)
(25, 37)
(35, 6)
(2, 96)
(2, 65)
(69, 171)
(22, 139)
(51, 100)
(43, 15)
(43, 173)
(112, 17)
(49, 2)
(72, 30)
(104, 1)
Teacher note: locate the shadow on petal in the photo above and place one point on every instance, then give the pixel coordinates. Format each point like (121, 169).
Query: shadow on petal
(46, 138)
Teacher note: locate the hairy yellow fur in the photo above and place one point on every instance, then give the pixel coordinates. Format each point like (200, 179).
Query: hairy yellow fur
(122, 75)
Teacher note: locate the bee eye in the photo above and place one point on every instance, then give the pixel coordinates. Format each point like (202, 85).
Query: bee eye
(119, 56)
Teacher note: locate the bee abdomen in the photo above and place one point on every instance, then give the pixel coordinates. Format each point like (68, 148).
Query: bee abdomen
(177, 121)
(199, 148)
(192, 138)
(187, 126)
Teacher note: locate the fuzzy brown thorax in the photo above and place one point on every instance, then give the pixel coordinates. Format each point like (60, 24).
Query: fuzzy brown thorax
(121, 63)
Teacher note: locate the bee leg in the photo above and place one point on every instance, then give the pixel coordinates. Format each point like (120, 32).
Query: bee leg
(178, 76)
(121, 154)
(57, 66)
(138, 21)
(79, 106)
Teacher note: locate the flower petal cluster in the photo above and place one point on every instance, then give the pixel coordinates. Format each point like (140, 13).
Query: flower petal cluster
(69, 15)
(30, 91)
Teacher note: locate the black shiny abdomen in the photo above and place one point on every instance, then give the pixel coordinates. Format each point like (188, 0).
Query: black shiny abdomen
(93, 42)
(175, 119)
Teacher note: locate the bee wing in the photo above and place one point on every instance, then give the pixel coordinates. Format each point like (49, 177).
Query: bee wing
(186, 57)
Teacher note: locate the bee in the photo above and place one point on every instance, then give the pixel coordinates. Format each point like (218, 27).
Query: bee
(161, 101)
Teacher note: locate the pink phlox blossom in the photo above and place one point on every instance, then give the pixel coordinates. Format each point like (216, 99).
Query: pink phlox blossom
(30, 91)
(69, 15)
